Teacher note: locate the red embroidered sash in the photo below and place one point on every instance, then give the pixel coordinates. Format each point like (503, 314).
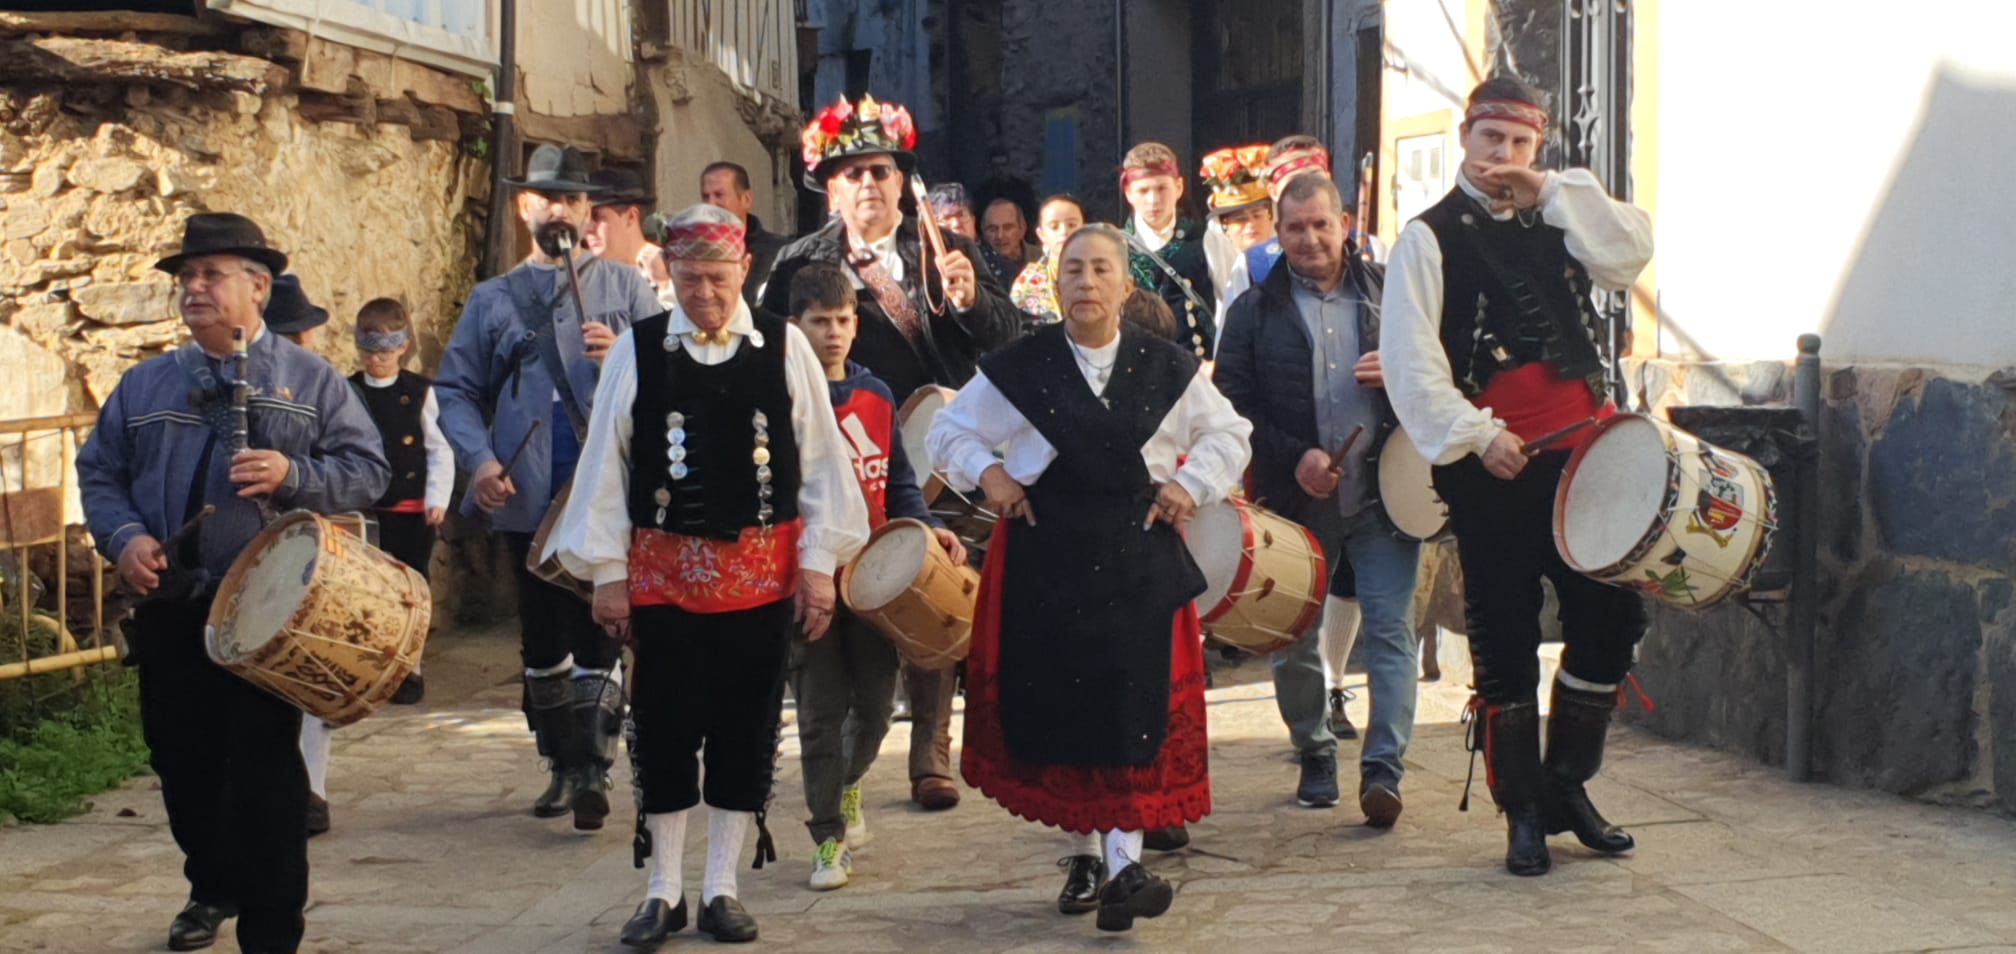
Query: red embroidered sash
(703, 575)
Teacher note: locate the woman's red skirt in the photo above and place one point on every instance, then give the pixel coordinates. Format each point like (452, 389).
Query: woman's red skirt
(1174, 789)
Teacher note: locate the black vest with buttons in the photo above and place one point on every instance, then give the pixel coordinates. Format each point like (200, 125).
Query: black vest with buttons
(1482, 332)
(396, 409)
(718, 493)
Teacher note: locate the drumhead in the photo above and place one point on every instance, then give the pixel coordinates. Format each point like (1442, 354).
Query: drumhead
(1407, 488)
(914, 420)
(1615, 491)
(273, 587)
(890, 563)
(1216, 538)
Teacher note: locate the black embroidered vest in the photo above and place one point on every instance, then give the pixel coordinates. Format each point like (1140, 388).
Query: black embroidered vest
(396, 409)
(729, 428)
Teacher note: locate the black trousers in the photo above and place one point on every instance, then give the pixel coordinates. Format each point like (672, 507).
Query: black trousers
(553, 622)
(229, 758)
(1505, 541)
(408, 538)
(708, 688)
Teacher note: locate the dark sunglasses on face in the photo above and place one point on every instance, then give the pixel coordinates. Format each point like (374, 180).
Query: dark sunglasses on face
(881, 171)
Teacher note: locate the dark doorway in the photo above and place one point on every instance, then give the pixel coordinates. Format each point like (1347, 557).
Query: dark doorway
(1248, 82)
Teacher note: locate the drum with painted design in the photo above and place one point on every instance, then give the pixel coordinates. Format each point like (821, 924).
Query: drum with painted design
(1647, 505)
(906, 586)
(1264, 575)
(316, 616)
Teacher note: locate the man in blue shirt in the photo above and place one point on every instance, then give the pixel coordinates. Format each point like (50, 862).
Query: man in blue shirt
(232, 780)
(498, 379)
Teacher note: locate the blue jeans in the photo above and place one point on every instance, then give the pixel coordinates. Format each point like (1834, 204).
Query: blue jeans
(1386, 566)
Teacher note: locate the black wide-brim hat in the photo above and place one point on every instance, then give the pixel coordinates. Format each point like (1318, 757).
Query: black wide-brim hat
(621, 187)
(224, 233)
(556, 169)
(288, 310)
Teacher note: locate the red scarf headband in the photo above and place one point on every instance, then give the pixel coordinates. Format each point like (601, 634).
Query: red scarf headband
(1132, 174)
(1295, 163)
(1510, 110)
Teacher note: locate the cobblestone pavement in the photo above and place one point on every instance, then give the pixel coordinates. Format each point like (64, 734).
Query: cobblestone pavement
(434, 851)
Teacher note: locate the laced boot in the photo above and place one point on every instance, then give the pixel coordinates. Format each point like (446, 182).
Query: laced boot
(1575, 735)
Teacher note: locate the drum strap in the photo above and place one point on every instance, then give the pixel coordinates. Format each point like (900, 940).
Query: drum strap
(538, 320)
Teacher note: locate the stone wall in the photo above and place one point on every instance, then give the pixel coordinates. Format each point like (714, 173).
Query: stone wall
(1915, 658)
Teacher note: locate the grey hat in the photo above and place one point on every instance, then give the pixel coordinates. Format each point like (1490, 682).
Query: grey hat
(556, 169)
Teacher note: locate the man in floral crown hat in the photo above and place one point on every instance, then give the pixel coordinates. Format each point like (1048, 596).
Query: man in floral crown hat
(716, 496)
(1242, 220)
(923, 319)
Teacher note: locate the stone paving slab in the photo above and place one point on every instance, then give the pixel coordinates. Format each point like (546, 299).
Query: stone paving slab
(434, 851)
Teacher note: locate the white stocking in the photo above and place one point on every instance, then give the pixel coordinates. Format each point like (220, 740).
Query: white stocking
(726, 831)
(668, 846)
(1123, 848)
(1339, 632)
(1087, 844)
(315, 738)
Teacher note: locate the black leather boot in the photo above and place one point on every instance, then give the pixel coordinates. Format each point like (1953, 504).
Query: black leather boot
(1575, 734)
(598, 718)
(1084, 875)
(548, 701)
(1512, 765)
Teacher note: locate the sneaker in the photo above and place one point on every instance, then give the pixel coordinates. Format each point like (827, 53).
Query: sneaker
(1318, 788)
(1379, 799)
(850, 809)
(1340, 723)
(831, 865)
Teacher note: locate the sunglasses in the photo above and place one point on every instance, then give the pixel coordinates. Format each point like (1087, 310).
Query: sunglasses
(880, 171)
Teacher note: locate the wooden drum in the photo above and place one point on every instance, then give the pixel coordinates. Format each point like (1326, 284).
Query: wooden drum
(906, 586)
(548, 567)
(914, 421)
(318, 617)
(1265, 575)
(1647, 505)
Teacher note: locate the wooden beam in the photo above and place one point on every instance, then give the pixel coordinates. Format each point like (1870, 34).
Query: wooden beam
(62, 59)
(615, 135)
(111, 21)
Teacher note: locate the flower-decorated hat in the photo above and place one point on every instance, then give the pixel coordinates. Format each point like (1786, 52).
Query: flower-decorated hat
(848, 129)
(1236, 176)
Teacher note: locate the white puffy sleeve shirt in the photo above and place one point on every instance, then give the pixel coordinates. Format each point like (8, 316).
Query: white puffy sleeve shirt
(1612, 239)
(592, 538)
(1202, 428)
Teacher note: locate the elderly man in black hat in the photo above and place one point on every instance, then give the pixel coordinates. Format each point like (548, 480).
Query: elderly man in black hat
(923, 319)
(232, 780)
(520, 371)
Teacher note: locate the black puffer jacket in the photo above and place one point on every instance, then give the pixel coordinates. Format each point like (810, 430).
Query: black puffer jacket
(1264, 370)
(953, 342)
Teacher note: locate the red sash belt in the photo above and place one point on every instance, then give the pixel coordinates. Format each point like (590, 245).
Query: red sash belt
(405, 506)
(1534, 400)
(704, 575)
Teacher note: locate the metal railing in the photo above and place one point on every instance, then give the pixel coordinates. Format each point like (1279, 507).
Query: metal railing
(38, 481)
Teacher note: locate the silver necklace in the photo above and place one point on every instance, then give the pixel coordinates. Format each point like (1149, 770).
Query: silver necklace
(1080, 353)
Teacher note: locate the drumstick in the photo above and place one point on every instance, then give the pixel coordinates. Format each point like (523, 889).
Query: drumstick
(1539, 444)
(1337, 459)
(523, 442)
(168, 545)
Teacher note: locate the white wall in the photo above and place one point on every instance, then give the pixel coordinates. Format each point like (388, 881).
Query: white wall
(1842, 169)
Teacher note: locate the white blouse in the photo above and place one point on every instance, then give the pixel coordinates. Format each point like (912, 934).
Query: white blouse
(1612, 239)
(592, 538)
(1202, 428)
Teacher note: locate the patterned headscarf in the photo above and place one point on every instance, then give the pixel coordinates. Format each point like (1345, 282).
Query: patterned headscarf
(1510, 110)
(701, 233)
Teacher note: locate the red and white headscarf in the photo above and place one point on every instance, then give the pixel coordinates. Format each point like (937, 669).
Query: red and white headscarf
(704, 233)
(1509, 110)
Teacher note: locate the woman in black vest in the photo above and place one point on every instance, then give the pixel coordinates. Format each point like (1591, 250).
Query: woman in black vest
(1085, 683)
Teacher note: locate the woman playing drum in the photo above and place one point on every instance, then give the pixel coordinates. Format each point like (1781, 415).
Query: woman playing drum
(1085, 705)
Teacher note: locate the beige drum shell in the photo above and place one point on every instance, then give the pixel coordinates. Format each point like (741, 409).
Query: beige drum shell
(1407, 489)
(550, 569)
(357, 634)
(931, 620)
(1277, 585)
(913, 420)
(1705, 540)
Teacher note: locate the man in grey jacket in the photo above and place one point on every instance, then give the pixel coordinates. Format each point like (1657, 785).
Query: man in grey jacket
(523, 355)
(232, 779)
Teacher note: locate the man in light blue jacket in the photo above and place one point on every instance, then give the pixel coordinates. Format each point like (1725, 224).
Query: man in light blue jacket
(521, 369)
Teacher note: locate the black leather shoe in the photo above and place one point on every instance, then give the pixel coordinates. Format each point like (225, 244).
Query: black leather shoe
(318, 814)
(1166, 839)
(1526, 843)
(1083, 875)
(1568, 809)
(724, 918)
(654, 921)
(196, 927)
(411, 691)
(558, 799)
(1133, 893)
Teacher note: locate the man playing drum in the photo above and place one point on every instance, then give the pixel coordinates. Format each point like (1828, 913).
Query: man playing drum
(924, 318)
(520, 370)
(1085, 701)
(1300, 359)
(231, 774)
(1491, 342)
(714, 486)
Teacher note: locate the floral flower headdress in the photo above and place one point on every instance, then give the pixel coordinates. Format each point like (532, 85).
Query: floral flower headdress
(848, 129)
(1236, 177)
